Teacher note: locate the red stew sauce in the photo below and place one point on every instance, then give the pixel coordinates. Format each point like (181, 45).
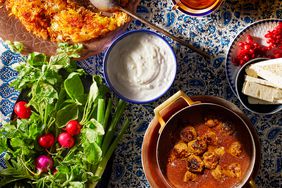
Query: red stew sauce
(230, 164)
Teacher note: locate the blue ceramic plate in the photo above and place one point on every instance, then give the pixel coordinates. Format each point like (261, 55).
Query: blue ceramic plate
(257, 30)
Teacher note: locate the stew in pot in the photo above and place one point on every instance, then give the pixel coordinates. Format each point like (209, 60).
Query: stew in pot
(209, 154)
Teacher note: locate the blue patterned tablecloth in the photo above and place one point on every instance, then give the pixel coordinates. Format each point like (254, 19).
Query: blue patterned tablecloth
(195, 76)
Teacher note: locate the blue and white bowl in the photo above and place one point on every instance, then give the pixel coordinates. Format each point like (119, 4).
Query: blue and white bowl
(132, 71)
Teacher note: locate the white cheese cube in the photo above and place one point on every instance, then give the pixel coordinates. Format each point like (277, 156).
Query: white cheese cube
(262, 92)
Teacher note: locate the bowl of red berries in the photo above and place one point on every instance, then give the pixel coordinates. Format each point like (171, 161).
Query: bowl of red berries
(261, 39)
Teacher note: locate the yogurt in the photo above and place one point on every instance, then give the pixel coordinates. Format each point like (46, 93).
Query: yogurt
(141, 66)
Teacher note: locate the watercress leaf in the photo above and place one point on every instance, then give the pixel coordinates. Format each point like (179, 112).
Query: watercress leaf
(93, 92)
(26, 76)
(62, 59)
(17, 142)
(76, 184)
(96, 126)
(51, 76)
(43, 94)
(7, 156)
(16, 47)
(36, 59)
(8, 129)
(71, 50)
(34, 130)
(63, 169)
(3, 144)
(66, 114)
(74, 87)
(93, 153)
(61, 98)
(90, 135)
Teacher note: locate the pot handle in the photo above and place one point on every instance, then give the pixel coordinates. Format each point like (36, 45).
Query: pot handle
(252, 183)
(168, 102)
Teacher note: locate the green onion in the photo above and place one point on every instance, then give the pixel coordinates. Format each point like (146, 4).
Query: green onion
(100, 117)
(108, 113)
(102, 165)
(110, 132)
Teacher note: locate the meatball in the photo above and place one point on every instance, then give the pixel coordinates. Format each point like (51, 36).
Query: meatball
(210, 160)
(211, 122)
(189, 176)
(217, 173)
(226, 128)
(195, 164)
(233, 170)
(219, 151)
(235, 149)
(210, 138)
(197, 146)
(179, 151)
(188, 134)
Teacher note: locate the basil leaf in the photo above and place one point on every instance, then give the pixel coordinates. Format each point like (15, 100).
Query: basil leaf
(66, 114)
(74, 88)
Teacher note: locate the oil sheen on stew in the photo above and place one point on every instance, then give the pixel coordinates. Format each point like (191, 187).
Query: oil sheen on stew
(208, 155)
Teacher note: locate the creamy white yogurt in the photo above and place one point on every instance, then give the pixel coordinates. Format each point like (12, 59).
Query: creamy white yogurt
(141, 66)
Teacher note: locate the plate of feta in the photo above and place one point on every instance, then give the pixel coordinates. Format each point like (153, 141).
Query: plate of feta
(261, 39)
(259, 85)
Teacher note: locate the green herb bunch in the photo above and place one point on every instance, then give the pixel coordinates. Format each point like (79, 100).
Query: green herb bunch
(58, 92)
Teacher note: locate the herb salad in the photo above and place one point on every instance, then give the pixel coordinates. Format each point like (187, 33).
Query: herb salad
(64, 134)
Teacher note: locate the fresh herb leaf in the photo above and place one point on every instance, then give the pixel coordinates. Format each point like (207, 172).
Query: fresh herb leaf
(66, 114)
(74, 88)
(15, 46)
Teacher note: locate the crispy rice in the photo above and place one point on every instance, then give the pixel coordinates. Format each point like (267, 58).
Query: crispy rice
(64, 20)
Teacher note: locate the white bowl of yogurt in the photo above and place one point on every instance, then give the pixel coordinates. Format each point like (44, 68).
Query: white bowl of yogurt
(140, 66)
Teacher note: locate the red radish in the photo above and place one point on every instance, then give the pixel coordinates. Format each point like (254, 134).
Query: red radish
(73, 127)
(55, 171)
(46, 140)
(43, 163)
(21, 110)
(66, 140)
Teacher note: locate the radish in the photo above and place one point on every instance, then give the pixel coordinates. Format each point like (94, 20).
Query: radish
(46, 140)
(73, 127)
(43, 163)
(22, 110)
(66, 140)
